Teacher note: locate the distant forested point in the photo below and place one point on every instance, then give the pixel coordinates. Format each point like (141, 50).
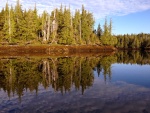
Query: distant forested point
(61, 27)
(133, 41)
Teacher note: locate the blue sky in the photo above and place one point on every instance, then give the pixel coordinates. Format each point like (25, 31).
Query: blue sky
(128, 16)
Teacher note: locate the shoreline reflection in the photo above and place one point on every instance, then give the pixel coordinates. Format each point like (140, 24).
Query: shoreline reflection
(61, 73)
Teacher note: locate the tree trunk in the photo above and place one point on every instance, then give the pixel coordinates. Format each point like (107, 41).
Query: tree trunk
(80, 31)
(9, 28)
(48, 29)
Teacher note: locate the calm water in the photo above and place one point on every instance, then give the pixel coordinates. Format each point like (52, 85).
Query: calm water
(119, 83)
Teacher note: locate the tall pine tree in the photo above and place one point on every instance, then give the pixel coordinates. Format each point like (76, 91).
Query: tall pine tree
(99, 31)
(87, 23)
(2, 21)
(66, 31)
(9, 24)
(20, 24)
(77, 26)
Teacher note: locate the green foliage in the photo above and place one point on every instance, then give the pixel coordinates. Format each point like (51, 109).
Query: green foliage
(99, 31)
(66, 31)
(107, 37)
(20, 23)
(30, 29)
(6, 22)
(9, 24)
(87, 23)
(77, 27)
(133, 41)
(2, 21)
(61, 27)
(120, 42)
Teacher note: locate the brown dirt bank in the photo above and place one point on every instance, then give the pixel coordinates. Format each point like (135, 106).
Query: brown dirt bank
(55, 50)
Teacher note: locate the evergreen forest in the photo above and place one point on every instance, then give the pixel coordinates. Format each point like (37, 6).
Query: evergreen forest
(61, 27)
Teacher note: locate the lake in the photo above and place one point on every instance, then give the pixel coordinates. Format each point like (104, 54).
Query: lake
(115, 83)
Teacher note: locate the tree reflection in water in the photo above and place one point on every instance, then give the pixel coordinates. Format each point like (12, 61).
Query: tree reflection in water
(61, 73)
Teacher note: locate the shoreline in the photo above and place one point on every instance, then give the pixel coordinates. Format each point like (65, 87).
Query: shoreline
(60, 50)
(55, 50)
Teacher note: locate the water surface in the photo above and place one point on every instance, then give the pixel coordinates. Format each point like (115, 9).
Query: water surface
(119, 83)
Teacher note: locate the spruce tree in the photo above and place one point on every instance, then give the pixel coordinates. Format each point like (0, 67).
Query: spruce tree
(84, 26)
(31, 27)
(9, 24)
(20, 23)
(90, 25)
(66, 32)
(29, 32)
(12, 29)
(35, 23)
(107, 37)
(87, 23)
(99, 31)
(76, 27)
(6, 23)
(2, 21)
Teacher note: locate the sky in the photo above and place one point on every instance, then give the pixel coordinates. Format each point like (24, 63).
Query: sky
(128, 16)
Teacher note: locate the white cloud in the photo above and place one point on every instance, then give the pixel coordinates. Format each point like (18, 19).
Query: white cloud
(100, 8)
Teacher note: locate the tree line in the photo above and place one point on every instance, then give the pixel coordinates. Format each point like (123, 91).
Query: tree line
(133, 41)
(18, 26)
(57, 27)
